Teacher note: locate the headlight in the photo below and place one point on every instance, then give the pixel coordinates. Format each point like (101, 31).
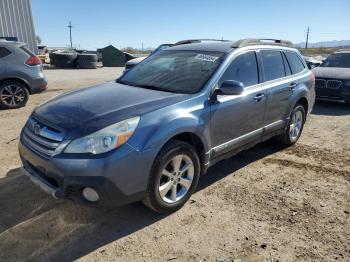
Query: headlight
(105, 139)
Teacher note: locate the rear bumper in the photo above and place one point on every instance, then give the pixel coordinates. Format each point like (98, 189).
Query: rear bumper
(119, 178)
(37, 85)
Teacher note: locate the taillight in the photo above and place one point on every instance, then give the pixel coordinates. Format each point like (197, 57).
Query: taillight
(312, 75)
(33, 61)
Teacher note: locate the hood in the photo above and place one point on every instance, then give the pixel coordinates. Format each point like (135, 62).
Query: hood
(332, 72)
(135, 60)
(90, 109)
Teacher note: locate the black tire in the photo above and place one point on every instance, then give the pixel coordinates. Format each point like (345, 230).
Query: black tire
(13, 94)
(64, 59)
(85, 57)
(52, 58)
(88, 65)
(347, 101)
(153, 198)
(87, 61)
(286, 138)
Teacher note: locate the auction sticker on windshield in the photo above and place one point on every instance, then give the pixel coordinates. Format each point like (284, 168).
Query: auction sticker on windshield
(204, 57)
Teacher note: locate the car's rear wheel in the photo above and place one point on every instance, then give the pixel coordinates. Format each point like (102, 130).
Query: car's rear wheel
(295, 126)
(13, 94)
(174, 177)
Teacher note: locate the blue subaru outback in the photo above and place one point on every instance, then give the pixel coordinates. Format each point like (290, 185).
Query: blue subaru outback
(150, 135)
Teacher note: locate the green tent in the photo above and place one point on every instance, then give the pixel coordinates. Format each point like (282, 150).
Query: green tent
(112, 56)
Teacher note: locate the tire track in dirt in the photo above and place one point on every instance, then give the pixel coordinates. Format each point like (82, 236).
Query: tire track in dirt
(324, 156)
(308, 166)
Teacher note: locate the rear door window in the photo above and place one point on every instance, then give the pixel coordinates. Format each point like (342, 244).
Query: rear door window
(244, 69)
(286, 66)
(273, 66)
(4, 52)
(295, 63)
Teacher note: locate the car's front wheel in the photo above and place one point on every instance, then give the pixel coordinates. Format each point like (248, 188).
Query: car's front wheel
(174, 177)
(13, 94)
(295, 126)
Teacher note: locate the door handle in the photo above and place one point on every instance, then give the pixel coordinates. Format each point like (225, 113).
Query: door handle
(259, 97)
(292, 86)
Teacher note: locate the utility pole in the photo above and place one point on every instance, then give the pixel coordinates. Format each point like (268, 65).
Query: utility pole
(307, 37)
(142, 46)
(70, 33)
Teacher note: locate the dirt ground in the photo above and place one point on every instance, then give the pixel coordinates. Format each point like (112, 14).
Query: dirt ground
(265, 204)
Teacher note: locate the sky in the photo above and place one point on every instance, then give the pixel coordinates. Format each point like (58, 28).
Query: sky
(98, 23)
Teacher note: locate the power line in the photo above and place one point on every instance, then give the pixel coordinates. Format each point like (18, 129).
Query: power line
(70, 33)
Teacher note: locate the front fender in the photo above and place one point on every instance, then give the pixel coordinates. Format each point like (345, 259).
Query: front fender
(159, 127)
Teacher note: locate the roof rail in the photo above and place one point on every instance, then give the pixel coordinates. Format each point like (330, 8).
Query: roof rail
(191, 41)
(260, 41)
(4, 41)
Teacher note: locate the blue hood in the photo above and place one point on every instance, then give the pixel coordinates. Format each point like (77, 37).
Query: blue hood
(90, 109)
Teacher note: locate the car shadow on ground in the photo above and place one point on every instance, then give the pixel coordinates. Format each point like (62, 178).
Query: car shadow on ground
(331, 108)
(69, 231)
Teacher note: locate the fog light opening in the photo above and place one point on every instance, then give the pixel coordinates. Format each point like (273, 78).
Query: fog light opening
(90, 194)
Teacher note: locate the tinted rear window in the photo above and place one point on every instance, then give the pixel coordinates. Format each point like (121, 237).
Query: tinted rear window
(286, 66)
(273, 67)
(294, 61)
(4, 52)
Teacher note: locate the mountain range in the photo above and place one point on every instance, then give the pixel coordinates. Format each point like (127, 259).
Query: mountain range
(334, 43)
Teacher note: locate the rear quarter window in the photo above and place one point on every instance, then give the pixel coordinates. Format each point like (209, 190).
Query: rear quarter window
(4, 52)
(295, 63)
(273, 66)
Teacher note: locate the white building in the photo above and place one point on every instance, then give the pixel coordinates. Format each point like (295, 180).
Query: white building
(16, 22)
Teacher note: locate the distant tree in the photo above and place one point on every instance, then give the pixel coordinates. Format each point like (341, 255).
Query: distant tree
(38, 39)
(132, 50)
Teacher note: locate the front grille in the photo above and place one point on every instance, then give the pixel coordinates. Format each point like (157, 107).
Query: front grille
(334, 84)
(73, 191)
(41, 138)
(49, 180)
(331, 84)
(320, 83)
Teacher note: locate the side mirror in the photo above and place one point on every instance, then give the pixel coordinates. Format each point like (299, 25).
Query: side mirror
(231, 88)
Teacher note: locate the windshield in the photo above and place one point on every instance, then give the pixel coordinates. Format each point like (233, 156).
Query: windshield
(174, 71)
(337, 60)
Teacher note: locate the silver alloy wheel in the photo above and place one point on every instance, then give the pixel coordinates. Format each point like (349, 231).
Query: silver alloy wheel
(295, 125)
(12, 95)
(176, 178)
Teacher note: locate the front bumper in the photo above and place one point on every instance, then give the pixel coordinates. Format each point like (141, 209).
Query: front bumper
(341, 93)
(120, 177)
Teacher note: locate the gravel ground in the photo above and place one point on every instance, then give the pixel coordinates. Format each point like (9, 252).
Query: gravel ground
(265, 204)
